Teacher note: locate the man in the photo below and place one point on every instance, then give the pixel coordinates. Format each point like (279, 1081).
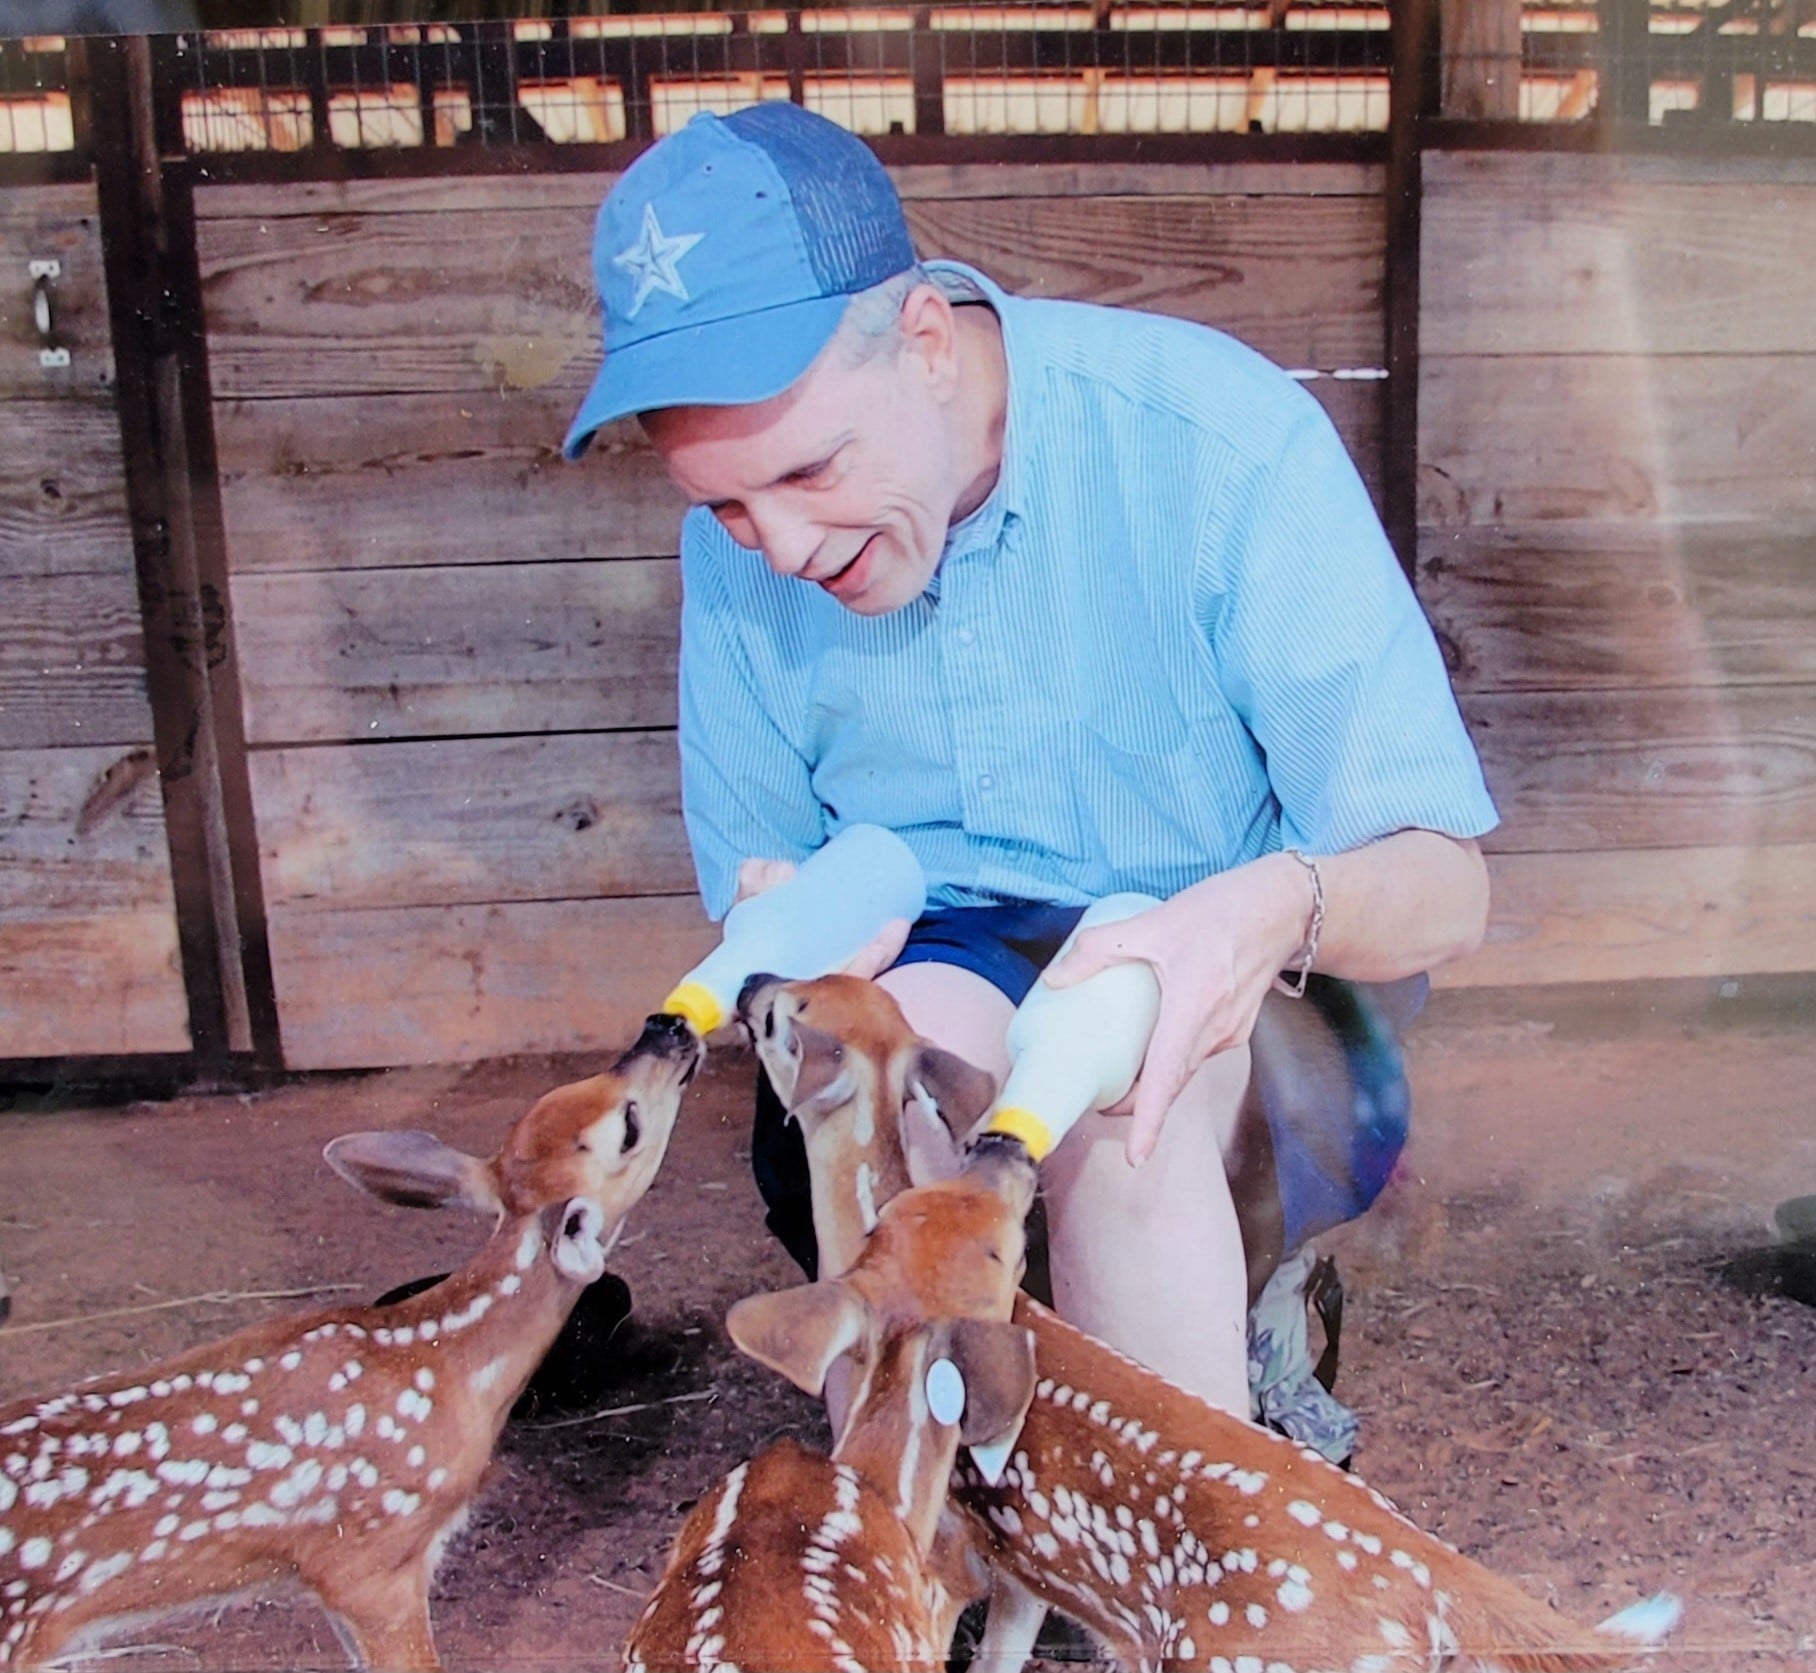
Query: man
(1075, 600)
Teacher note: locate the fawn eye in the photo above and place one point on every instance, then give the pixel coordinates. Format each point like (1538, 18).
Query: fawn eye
(633, 1129)
(572, 1226)
(769, 1025)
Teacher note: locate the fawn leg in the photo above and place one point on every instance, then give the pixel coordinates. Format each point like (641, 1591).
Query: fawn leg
(383, 1617)
(1010, 1628)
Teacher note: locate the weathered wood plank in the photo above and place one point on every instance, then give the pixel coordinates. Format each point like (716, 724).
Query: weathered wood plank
(451, 984)
(1588, 255)
(1359, 411)
(72, 662)
(1669, 912)
(1576, 171)
(92, 987)
(381, 480)
(395, 653)
(471, 820)
(1648, 769)
(1561, 606)
(61, 224)
(1704, 438)
(465, 194)
(502, 299)
(62, 489)
(81, 834)
(348, 304)
(1298, 279)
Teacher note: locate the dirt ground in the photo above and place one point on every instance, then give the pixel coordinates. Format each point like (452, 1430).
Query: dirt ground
(1549, 1371)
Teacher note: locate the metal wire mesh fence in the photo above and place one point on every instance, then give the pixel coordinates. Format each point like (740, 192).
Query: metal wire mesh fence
(1002, 69)
(1108, 67)
(1640, 62)
(35, 111)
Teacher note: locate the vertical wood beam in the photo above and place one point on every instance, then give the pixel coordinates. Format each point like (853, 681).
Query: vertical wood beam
(146, 214)
(926, 49)
(1481, 62)
(1412, 94)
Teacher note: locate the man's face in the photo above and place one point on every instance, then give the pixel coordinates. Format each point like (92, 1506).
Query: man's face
(845, 480)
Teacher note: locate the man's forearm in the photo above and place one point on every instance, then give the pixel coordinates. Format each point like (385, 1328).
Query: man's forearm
(1410, 902)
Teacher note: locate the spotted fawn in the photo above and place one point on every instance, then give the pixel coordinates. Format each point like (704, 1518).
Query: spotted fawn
(338, 1449)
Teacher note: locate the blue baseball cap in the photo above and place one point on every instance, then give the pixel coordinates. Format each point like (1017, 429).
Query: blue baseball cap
(725, 256)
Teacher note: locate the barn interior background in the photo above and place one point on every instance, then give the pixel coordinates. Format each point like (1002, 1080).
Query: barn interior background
(336, 711)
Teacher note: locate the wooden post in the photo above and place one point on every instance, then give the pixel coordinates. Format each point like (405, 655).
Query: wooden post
(154, 307)
(925, 49)
(1410, 96)
(1481, 47)
(1623, 54)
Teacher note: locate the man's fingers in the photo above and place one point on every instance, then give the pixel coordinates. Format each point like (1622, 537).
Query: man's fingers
(881, 951)
(1163, 1078)
(1095, 949)
(755, 876)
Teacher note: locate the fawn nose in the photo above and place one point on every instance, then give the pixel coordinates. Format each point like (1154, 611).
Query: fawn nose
(667, 1036)
(752, 997)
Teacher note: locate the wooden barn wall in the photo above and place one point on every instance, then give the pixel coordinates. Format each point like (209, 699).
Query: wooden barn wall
(457, 652)
(88, 934)
(1617, 545)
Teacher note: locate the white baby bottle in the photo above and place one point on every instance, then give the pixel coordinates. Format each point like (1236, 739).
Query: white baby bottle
(1078, 1048)
(835, 904)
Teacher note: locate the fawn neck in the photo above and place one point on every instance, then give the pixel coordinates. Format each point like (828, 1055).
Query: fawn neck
(893, 1443)
(855, 1164)
(496, 1316)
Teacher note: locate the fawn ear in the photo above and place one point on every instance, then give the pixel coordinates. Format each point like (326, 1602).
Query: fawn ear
(800, 1332)
(824, 1080)
(414, 1170)
(573, 1232)
(996, 1361)
(960, 1092)
(945, 1096)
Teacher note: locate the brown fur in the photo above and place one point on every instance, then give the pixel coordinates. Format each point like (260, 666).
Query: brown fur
(338, 1449)
(799, 1561)
(1138, 1508)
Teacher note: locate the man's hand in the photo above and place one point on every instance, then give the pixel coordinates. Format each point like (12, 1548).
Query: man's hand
(872, 959)
(1216, 948)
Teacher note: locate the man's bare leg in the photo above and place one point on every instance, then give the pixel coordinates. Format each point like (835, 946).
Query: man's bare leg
(1150, 1259)
(1147, 1259)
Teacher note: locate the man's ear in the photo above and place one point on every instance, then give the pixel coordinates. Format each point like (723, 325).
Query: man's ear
(929, 332)
(800, 1332)
(824, 1081)
(414, 1170)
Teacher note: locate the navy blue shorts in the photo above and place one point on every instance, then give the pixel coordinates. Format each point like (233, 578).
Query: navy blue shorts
(1338, 1126)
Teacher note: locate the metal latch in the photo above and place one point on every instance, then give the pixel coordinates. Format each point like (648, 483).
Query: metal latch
(41, 274)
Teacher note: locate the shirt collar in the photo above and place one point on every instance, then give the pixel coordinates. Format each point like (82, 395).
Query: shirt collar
(984, 527)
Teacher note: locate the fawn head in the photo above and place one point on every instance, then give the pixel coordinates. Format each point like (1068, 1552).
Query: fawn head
(924, 1318)
(580, 1158)
(849, 1069)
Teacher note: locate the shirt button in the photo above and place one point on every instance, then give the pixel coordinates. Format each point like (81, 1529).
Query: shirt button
(966, 636)
(985, 782)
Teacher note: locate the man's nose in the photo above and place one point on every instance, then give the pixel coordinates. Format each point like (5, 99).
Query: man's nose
(788, 540)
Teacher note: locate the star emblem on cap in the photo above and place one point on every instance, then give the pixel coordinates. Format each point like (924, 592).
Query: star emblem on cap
(653, 262)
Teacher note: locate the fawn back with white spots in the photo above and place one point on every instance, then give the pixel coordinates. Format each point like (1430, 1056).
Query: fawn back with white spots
(1182, 1535)
(796, 1560)
(340, 1448)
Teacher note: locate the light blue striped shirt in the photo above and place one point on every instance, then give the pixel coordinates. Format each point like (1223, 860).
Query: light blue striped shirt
(1172, 639)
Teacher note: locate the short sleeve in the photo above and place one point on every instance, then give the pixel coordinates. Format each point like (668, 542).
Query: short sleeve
(1322, 649)
(745, 787)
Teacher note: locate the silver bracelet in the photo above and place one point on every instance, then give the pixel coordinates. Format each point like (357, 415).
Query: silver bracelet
(1309, 951)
